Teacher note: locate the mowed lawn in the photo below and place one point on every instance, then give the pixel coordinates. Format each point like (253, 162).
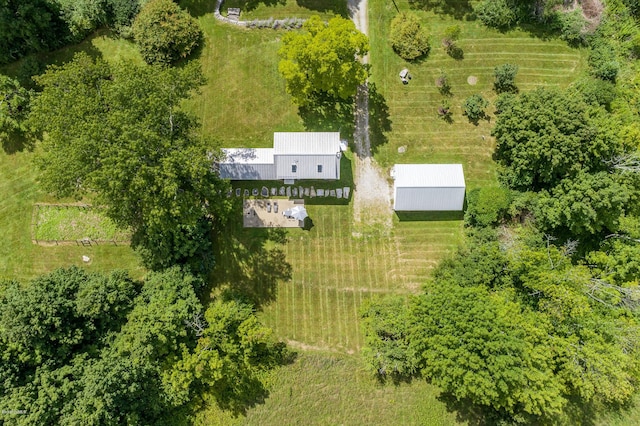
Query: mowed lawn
(333, 389)
(415, 123)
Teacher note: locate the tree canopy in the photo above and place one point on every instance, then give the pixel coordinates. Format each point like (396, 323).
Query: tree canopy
(165, 33)
(322, 60)
(548, 135)
(80, 348)
(408, 39)
(117, 133)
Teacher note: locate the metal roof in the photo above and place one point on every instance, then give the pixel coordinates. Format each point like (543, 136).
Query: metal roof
(248, 156)
(428, 175)
(306, 143)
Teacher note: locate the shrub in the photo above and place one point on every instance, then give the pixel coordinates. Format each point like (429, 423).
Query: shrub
(408, 39)
(443, 84)
(603, 63)
(487, 206)
(596, 91)
(444, 110)
(505, 76)
(165, 33)
(496, 14)
(571, 26)
(451, 35)
(474, 107)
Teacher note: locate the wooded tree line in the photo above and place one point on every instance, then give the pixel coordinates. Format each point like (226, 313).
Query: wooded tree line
(163, 31)
(81, 348)
(537, 316)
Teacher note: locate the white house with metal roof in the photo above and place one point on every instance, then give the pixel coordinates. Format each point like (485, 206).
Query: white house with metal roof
(294, 156)
(428, 187)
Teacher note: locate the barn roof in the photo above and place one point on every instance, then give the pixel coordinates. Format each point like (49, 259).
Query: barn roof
(429, 175)
(247, 156)
(306, 143)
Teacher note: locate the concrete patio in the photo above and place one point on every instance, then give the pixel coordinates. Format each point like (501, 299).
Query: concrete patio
(256, 213)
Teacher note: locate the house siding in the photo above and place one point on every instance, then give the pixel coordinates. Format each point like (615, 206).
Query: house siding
(307, 166)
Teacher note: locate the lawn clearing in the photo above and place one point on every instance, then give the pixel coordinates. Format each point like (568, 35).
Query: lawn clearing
(69, 223)
(19, 257)
(331, 389)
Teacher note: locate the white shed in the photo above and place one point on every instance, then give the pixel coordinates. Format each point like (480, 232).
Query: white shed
(428, 187)
(247, 164)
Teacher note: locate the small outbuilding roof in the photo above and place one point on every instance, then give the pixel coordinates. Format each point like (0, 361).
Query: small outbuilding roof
(306, 143)
(247, 156)
(428, 175)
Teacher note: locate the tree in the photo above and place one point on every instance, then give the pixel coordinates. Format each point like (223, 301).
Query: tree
(408, 39)
(386, 327)
(496, 13)
(165, 33)
(29, 26)
(83, 16)
(486, 348)
(322, 60)
(588, 204)
(486, 206)
(232, 349)
(120, 137)
(474, 107)
(80, 348)
(548, 135)
(505, 76)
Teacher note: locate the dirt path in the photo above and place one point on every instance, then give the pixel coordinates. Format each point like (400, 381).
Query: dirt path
(372, 195)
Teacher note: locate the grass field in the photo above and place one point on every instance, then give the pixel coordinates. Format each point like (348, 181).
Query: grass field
(412, 108)
(74, 222)
(331, 389)
(19, 257)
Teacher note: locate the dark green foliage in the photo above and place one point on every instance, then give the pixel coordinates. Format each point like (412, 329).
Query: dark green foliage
(79, 348)
(496, 13)
(386, 326)
(61, 312)
(29, 26)
(482, 346)
(505, 76)
(121, 13)
(408, 39)
(547, 135)
(634, 7)
(487, 206)
(603, 63)
(15, 103)
(83, 16)
(120, 135)
(596, 91)
(474, 108)
(588, 204)
(571, 26)
(165, 33)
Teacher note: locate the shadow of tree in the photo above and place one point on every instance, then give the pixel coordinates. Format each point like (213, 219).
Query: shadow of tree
(379, 121)
(328, 114)
(17, 142)
(249, 263)
(459, 9)
(339, 7)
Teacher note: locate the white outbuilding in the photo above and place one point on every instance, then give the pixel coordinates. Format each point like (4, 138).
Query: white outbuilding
(428, 187)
